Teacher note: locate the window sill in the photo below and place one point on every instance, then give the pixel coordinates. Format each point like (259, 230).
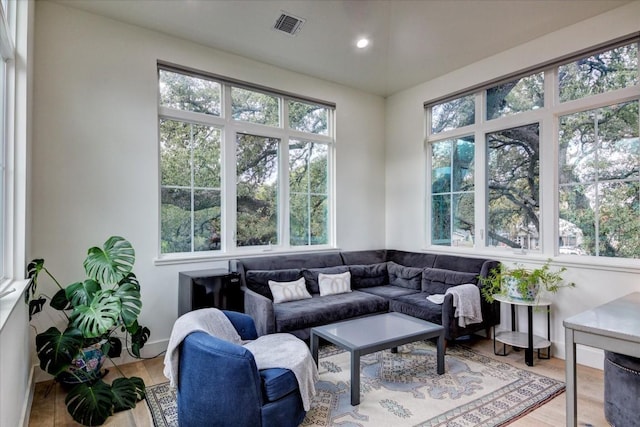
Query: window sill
(626, 265)
(11, 300)
(173, 259)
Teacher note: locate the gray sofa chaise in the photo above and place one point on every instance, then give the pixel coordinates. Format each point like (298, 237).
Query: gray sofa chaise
(381, 281)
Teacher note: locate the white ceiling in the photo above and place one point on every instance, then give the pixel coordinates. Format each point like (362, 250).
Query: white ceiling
(412, 41)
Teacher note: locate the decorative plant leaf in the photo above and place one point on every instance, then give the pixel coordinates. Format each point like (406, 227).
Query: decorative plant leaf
(130, 278)
(33, 270)
(131, 303)
(56, 349)
(140, 387)
(112, 263)
(138, 339)
(60, 301)
(125, 394)
(81, 293)
(113, 347)
(35, 306)
(98, 317)
(90, 405)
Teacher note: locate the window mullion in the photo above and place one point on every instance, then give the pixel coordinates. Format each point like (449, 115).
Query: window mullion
(229, 200)
(192, 186)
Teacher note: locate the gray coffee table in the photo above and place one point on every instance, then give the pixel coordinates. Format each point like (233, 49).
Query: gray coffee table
(367, 335)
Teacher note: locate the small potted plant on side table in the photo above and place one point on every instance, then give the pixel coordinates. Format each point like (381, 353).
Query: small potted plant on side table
(522, 283)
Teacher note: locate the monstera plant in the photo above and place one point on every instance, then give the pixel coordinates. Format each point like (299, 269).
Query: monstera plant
(96, 309)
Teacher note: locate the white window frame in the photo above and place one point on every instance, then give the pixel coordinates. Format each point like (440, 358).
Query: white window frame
(229, 129)
(548, 116)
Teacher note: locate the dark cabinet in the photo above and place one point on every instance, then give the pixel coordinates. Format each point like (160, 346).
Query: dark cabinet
(209, 288)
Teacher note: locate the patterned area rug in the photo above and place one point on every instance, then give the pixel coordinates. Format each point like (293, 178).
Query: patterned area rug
(403, 389)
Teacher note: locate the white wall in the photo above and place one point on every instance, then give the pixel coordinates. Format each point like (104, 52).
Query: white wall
(95, 147)
(405, 164)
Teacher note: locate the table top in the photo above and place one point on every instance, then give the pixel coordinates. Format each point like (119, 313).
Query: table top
(365, 331)
(619, 318)
(539, 302)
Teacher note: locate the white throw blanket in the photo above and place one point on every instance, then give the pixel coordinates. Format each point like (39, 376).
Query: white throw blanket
(287, 351)
(269, 351)
(466, 300)
(209, 320)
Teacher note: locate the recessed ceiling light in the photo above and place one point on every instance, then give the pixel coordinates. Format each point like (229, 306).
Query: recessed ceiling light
(362, 43)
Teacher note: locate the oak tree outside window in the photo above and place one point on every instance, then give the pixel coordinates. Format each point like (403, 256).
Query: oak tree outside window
(252, 172)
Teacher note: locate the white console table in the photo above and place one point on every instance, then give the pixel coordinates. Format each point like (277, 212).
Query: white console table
(614, 326)
(528, 340)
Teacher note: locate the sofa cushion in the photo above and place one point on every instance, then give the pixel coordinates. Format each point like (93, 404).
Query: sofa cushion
(417, 305)
(332, 284)
(406, 277)
(311, 276)
(258, 280)
(277, 383)
(437, 281)
(364, 276)
(295, 315)
(288, 291)
(389, 292)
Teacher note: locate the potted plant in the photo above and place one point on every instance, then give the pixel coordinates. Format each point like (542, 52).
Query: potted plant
(95, 309)
(522, 283)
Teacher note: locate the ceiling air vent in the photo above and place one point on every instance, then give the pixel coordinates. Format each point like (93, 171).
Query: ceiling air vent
(289, 24)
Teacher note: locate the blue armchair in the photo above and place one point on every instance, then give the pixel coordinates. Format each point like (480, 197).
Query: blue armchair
(220, 384)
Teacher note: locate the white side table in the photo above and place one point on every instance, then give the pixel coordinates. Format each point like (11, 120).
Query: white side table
(527, 340)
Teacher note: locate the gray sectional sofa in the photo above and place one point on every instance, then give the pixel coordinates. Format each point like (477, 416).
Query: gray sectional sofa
(381, 281)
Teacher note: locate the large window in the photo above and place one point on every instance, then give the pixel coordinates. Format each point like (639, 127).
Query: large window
(7, 141)
(580, 118)
(253, 171)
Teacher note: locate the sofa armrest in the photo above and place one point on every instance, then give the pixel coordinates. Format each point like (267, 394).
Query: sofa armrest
(260, 308)
(448, 317)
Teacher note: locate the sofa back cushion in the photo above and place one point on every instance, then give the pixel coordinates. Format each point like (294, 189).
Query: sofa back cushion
(367, 276)
(459, 263)
(311, 276)
(403, 276)
(437, 280)
(364, 257)
(273, 262)
(258, 280)
(411, 259)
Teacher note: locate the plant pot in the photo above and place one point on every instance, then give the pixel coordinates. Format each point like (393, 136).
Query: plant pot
(85, 367)
(512, 287)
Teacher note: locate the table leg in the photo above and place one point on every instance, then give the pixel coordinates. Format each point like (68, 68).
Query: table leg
(528, 354)
(440, 354)
(355, 378)
(570, 374)
(314, 341)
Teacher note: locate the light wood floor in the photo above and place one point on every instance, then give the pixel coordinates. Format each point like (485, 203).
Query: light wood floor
(49, 409)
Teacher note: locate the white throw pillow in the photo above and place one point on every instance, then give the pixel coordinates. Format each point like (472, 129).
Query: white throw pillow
(289, 291)
(331, 284)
